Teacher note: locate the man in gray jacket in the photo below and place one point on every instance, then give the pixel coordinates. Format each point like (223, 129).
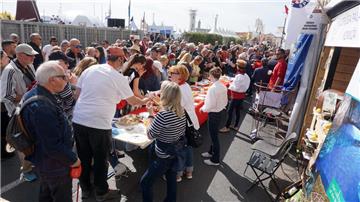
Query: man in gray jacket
(17, 77)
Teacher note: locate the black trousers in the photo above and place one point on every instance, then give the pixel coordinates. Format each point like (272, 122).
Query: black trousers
(92, 143)
(235, 105)
(213, 125)
(55, 189)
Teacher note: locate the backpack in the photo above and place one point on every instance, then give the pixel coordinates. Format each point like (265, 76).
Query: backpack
(16, 133)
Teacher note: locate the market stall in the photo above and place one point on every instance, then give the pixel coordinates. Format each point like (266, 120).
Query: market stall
(328, 142)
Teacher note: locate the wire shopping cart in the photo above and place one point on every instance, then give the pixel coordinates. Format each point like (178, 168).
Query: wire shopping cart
(268, 105)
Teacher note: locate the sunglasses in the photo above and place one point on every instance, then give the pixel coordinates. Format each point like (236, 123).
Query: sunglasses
(78, 46)
(63, 77)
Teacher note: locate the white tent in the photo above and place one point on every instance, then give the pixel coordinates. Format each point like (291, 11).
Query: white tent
(87, 21)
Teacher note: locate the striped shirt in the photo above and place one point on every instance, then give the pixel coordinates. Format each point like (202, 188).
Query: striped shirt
(14, 83)
(167, 127)
(66, 100)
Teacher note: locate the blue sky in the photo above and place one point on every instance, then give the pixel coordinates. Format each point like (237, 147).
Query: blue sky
(235, 15)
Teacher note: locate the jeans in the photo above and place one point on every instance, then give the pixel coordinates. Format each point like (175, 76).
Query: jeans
(158, 168)
(187, 164)
(234, 105)
(92, 143)
(213, 124)
(58, 189)
(113, 158)
(26, 166)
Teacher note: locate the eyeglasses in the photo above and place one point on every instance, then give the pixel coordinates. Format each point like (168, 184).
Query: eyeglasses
(78, 46)
(63, 77)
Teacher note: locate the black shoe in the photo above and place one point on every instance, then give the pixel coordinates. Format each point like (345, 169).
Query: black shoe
(111, 194)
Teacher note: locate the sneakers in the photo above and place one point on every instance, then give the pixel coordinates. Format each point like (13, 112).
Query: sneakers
(178, 178)
(111, 194)
(188, 175)
(206, 155)
(28, 177)
(224, 130)
(210, 163)
(119, 169)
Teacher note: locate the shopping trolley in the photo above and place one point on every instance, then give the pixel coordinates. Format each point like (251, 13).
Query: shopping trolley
(268, 105)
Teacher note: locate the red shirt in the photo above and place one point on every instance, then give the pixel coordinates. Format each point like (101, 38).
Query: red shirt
(278, 72)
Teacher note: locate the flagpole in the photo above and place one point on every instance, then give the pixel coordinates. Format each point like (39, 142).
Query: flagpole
(129, 10)
(283, 31)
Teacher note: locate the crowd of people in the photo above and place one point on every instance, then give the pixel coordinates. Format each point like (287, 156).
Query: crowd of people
(83, 86)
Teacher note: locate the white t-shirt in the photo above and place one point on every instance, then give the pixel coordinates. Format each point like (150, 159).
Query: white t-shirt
(102, 87)
(187, 102)
(47, 51)
(240, 84)
(216, 98)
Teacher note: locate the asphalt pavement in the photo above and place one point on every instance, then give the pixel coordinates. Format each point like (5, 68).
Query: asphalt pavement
(226, 182)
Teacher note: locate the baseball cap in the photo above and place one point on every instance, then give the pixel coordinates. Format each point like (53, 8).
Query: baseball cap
(25, 48)
(115, 51)
(58, 55)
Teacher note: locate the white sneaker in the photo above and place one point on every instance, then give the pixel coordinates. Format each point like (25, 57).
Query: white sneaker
(224, 130)
(210, 163)
(206, 155)
(119, 169)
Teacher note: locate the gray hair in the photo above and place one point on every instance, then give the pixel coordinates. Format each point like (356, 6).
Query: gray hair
(34, 35)
(47, 70)
(191, 45)
(64, 42)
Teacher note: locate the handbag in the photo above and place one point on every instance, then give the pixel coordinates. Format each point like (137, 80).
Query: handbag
(193, 136)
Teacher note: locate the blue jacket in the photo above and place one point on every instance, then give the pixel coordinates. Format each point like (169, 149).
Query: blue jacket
(49, 126)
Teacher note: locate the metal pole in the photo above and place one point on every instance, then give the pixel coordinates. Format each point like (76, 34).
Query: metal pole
(283, 32)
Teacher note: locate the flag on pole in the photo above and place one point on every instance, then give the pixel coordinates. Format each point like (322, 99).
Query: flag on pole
(286, 10)
(299, 12)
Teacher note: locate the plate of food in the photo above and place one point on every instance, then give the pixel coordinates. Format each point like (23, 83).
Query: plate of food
(203, 82)
(129, 120)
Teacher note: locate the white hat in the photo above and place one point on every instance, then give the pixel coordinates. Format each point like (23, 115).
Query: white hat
(25, 48)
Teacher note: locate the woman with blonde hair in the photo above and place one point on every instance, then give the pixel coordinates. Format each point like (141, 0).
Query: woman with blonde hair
(180, 74)
(84, 64)
(182, 53)
(185, 60)
(168, 130)
(195, 69)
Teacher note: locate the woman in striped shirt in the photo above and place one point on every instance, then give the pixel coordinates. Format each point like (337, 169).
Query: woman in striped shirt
(168, 130)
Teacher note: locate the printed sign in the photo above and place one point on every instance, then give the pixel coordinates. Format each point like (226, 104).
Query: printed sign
(345, 29)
